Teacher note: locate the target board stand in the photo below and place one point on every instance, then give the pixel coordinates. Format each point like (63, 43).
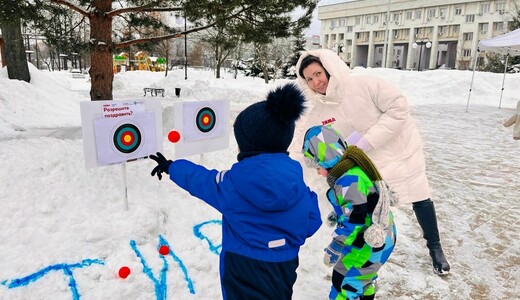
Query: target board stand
(117, 132)
(203, 127)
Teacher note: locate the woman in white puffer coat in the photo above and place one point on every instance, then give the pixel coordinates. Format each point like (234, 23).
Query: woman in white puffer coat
(375, 116)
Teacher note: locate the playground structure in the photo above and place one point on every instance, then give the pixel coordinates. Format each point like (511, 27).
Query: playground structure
(141, 61)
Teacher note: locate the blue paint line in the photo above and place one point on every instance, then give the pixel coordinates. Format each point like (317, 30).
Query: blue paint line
(37, 275)
(162, 241)
(160, 285)
(67, 270)
(200, 235)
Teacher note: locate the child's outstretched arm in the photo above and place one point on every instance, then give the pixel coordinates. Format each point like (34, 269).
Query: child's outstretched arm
(195, 179)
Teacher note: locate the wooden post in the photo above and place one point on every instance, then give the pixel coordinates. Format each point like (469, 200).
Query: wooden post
(2, 52)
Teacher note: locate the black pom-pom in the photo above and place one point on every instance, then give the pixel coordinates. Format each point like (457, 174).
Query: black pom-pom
(286, 103)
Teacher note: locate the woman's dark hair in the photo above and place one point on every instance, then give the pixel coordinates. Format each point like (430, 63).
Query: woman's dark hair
(309, 59)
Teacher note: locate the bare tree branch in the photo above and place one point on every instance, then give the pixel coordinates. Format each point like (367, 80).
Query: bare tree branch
(72, 6)
(161, 38)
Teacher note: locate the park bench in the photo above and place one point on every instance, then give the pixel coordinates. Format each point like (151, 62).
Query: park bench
(153, 91)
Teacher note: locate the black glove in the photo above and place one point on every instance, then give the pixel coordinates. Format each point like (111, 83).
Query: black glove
(162, 165)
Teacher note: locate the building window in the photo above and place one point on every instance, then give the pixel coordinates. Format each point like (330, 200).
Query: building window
(350, 28)
(498, 26)
(466, 52)
(442, 29)
(349, 42)
(332, 24)
(369, 19)
(376, 19)
(358, 20)
(341, 36)
(484, 8)
(442, 12)
(431, 12)
(458, 11)
(409, 15)
(418, 14)
(467, 36)
(500, 7)
(456, 28)
(376, 34)
(483, 27)
(470, 18)
(396, 17)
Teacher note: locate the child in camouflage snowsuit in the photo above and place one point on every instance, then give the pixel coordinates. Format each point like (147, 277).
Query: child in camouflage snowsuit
(356, 188)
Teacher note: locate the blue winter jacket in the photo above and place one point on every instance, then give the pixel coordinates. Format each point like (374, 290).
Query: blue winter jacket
(267, 209)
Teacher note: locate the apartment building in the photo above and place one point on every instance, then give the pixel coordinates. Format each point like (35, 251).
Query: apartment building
(420, 34)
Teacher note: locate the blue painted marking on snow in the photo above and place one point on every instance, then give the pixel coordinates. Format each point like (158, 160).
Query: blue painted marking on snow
(67, 270)
(198, 234)
(160, 285)
(162, 241)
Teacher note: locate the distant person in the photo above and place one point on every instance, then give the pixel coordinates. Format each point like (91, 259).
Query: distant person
(267, 209)
(365, 233)
(375, 117)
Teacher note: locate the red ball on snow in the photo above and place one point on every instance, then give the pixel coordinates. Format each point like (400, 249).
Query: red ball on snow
(124, 272)
(164, 250)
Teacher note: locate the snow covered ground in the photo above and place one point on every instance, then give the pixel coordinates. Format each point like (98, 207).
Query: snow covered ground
(65, 233)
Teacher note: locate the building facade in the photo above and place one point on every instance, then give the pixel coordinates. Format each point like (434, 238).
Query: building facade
(420, 34)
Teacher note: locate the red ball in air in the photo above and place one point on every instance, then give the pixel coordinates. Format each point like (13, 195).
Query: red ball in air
(174, 136)
(124, 272)
(164, 250)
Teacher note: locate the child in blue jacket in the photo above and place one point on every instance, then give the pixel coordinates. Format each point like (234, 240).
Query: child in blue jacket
(267, 209)
(365, 233)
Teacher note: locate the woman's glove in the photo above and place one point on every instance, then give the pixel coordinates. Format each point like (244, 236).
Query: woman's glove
(332, 253)
(162, 165)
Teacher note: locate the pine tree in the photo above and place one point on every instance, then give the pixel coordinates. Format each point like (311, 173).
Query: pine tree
(289, 69)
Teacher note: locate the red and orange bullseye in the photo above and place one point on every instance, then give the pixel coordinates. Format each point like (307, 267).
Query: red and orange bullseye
(206, 119)
(174, 136)
(127, 139)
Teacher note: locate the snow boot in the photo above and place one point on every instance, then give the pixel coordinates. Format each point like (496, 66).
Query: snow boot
(425, 213)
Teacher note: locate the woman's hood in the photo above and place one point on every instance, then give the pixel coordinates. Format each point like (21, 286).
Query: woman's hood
(335, 66)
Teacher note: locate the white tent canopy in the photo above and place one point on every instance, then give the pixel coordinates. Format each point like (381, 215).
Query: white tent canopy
(507, 44)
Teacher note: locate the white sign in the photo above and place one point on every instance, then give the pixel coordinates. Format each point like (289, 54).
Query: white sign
(117, 131)
(203, 127)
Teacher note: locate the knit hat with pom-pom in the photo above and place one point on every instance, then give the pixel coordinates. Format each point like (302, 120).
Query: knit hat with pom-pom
(268, 126)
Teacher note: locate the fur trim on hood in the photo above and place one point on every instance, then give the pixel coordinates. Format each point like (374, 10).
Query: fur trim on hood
(335, 66)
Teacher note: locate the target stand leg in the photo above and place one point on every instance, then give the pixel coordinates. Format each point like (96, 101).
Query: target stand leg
(125, 188)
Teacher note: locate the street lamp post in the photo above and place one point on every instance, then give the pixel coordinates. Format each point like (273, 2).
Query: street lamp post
(421, 42)
(339, 48)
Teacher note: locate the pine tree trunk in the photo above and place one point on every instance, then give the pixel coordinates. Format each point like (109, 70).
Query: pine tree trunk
(101, 47)
(15, 60)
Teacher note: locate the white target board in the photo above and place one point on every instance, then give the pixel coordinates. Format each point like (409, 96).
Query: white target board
(203, 126)
(119, 131)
